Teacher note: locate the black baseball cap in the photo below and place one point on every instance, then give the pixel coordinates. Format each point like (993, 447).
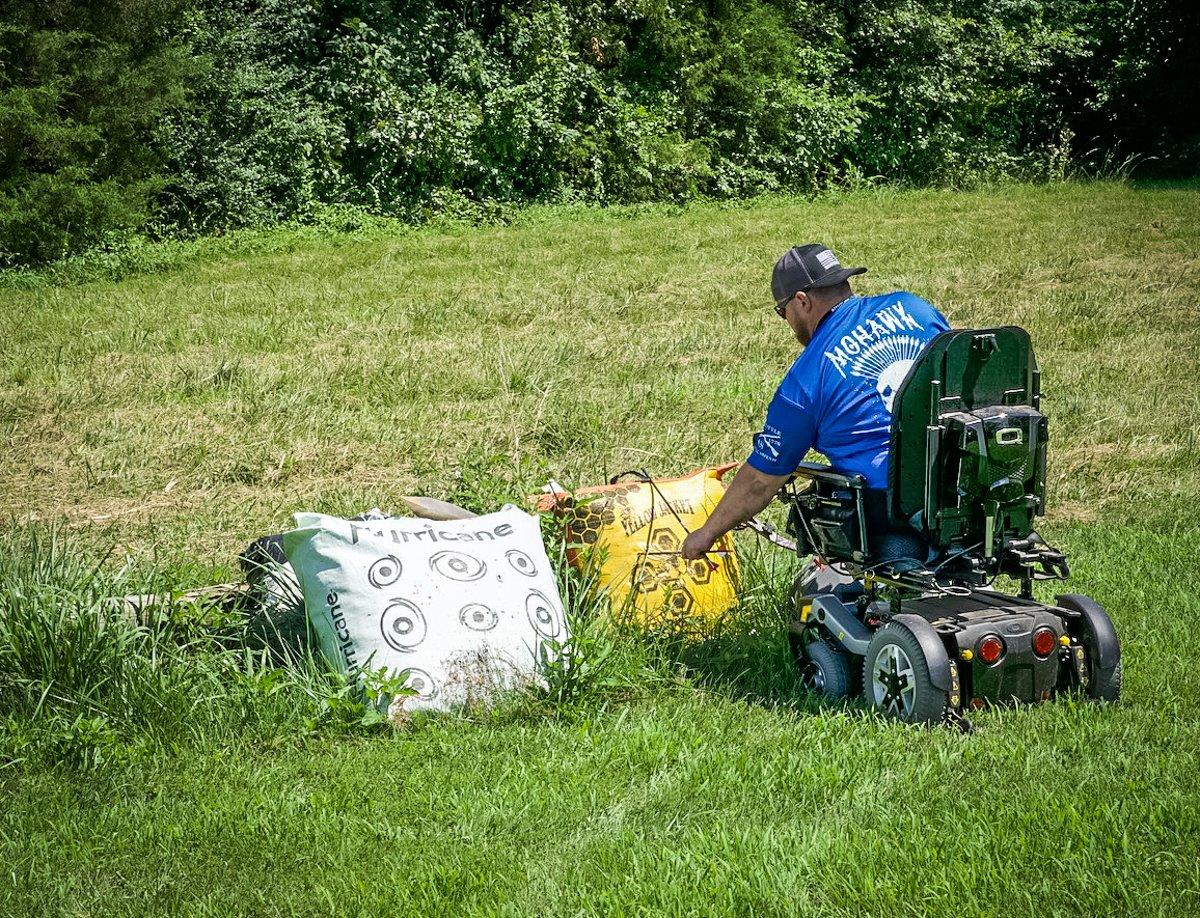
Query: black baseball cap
(803, 267)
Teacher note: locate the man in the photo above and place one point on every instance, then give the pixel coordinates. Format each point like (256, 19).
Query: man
(837, 397)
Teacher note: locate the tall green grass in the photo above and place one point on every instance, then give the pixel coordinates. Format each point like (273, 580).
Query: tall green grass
(82, 684)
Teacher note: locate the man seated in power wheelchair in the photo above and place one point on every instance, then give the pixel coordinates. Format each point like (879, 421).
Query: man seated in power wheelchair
(939, 452)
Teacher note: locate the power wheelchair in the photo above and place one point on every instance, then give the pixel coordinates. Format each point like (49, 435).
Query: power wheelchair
(898, 602)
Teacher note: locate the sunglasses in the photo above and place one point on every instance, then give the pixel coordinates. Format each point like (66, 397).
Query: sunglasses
(782, 305)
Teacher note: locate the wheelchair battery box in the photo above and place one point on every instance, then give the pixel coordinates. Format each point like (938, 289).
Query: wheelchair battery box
(1019, 673)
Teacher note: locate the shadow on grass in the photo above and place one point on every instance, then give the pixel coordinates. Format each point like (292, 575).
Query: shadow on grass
(745, 654)
(1153, 183)
(755, 665)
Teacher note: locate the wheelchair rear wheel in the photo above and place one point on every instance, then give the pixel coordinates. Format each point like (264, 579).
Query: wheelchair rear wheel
(896, 679)
(1095, 631)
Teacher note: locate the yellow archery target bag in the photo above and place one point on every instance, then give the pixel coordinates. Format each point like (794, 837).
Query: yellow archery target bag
(635, 526)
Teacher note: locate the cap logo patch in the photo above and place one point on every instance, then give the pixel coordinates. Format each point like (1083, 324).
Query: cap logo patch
(827, 259)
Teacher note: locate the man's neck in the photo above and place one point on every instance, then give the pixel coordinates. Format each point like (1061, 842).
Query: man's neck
(825, 315)
(838, 303)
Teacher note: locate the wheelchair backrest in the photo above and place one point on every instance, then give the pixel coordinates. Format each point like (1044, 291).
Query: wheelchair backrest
(967, 462)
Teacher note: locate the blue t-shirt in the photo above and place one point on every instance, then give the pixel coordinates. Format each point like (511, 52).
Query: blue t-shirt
(837, 397)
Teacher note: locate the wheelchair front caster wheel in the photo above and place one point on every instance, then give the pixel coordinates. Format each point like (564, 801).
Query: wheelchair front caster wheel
(827, 671)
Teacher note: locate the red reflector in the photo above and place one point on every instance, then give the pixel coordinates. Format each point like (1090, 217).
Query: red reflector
(1044, 642)
(990, 649)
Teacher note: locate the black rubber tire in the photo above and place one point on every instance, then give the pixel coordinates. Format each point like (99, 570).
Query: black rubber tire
(827, 671)
(1104, 684)
(928, 702)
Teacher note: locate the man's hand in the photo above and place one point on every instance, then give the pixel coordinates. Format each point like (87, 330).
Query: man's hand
(748, 493)
(697, 544)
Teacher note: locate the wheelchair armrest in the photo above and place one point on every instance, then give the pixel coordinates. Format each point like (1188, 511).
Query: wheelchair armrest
(824, 473)
(814, 501)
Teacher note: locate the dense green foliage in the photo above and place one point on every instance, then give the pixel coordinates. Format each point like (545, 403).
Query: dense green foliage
(83, 89)
(203, 115)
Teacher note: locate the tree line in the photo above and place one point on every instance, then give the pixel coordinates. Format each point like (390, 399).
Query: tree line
(181, 117)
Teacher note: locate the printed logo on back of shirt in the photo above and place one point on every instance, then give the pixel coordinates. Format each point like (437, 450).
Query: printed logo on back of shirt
(878, 350)
(886, 363)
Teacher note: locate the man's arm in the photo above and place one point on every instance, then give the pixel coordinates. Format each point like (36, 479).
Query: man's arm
(787, 434)
(748, 493)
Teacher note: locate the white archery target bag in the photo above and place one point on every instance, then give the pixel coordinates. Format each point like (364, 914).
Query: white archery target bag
(462, 606)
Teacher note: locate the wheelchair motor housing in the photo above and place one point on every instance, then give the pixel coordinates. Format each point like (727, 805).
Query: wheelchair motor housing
(898, 603)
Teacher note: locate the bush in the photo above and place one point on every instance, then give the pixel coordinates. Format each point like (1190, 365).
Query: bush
(82, 86)
(962, 90)
(1143, 72)
(207, 115)
(251, 147)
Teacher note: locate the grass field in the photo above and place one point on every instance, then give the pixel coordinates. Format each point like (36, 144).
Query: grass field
(171, 417)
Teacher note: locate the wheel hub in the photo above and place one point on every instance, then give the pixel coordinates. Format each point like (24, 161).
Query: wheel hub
(813, 678)
(893, 682)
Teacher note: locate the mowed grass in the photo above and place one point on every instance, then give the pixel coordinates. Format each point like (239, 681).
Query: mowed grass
(176, 416)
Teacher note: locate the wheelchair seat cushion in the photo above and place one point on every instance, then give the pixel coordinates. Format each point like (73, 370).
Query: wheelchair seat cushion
(889, 541)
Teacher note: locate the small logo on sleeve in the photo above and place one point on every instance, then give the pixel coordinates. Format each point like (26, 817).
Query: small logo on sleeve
(767, 444)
